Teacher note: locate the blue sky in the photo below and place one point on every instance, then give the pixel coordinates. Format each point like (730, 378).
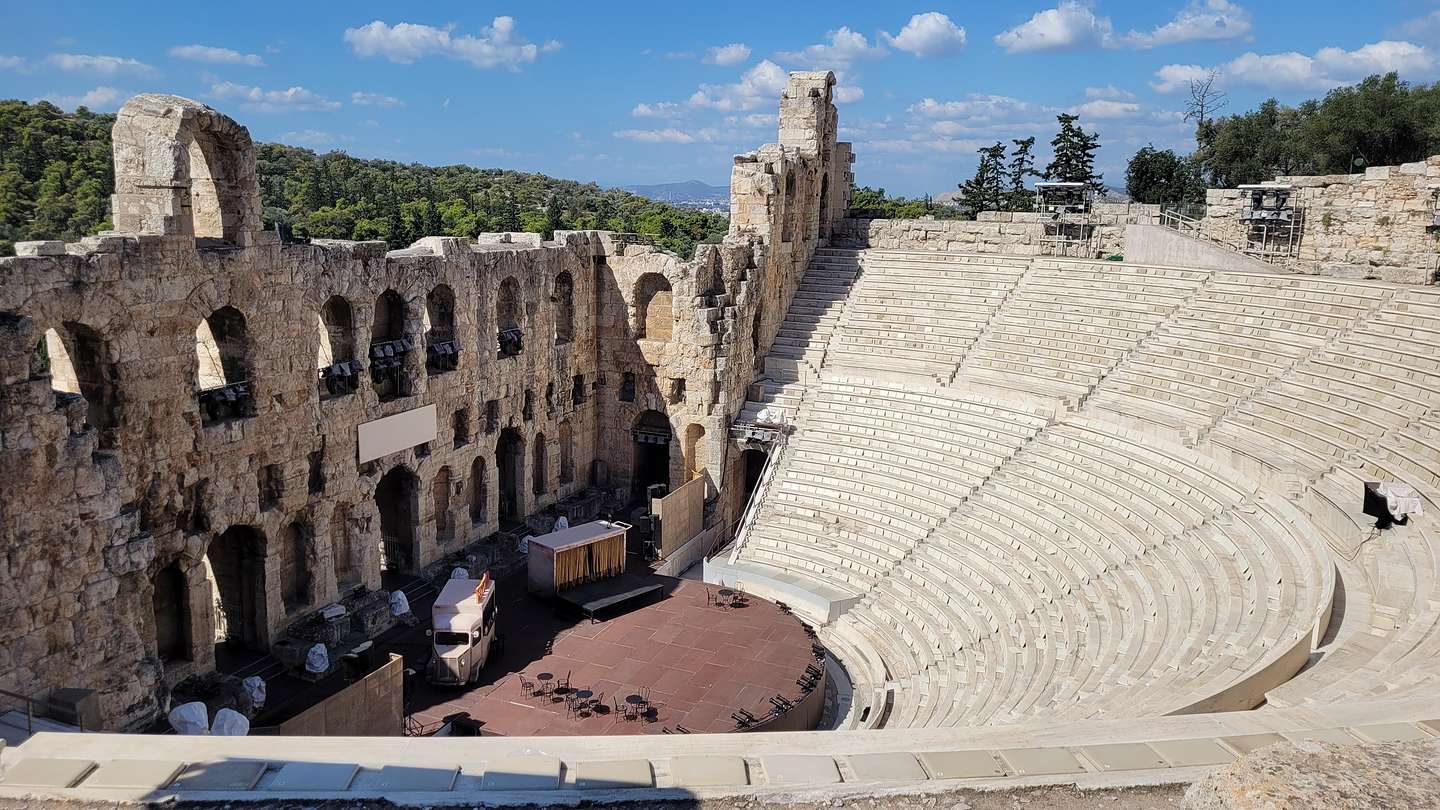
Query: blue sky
(642, 92)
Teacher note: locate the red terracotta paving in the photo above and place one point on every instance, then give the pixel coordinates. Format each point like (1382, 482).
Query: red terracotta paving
(700, 662)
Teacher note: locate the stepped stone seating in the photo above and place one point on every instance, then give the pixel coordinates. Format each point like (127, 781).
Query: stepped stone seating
(1171, 541)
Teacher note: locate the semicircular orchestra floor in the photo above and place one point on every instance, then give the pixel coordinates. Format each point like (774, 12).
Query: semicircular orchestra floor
(701, 663)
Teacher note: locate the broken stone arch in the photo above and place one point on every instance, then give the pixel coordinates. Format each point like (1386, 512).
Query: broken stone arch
(183, 169)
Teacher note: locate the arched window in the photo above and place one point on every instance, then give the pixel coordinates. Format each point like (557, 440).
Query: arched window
(564, 300)
(295, 567)
(169, 601)
(222, 349)
(787, 227)
(339, 373)
(567, 452)
(442, 351)
(479, 491)
(78, 362)
(397, 497)
(694, 447)
(236, 565)
(651, 436)
(510, 473)
(440, 492)
(510, 338)
(342, 551)
(538, 471)
(655, 317)
(388, 348)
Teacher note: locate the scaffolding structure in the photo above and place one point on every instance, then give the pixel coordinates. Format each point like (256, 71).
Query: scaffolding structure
(1272, 225)
(1070, 227)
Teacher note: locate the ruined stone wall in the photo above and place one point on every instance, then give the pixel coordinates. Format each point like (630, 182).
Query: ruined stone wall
(128, 486)
(1369, 225)
(1014, 233)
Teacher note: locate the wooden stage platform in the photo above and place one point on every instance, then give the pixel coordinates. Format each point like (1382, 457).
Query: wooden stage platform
(700, 662)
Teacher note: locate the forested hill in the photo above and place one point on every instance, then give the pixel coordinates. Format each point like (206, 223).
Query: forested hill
(56, 177)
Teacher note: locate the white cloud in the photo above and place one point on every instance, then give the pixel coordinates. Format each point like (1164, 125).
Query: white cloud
(102, 99)
(1073, 24)
(1170, 78)
(308, 137)
(660, 109)
(976, 108)
(1108, 91)
(496, 45)
(667, 135)
(1106, 108)
(928, 34)
(11, 62)
(848, 93)
(758, 86)
(361, 98)
(1200, 20)
(100, 65)
(1425, 29)
(732, 54)
(1068, 26)
(842, 48)
(1327, 68)
(216, 56)
(760, 120)
(254, 99)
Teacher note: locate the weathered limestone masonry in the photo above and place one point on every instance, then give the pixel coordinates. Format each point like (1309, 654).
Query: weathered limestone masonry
(145, 511)
(1373, 225)
(1014, 233)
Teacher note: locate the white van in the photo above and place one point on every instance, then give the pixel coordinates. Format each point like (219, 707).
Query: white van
(462, 630)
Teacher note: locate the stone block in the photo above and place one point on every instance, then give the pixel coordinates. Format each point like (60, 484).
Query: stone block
(45, 247)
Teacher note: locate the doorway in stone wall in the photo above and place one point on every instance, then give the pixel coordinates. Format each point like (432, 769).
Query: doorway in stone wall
(235, 565)
(651, 437)
(510, 465)
(397, 498)
(752, 465)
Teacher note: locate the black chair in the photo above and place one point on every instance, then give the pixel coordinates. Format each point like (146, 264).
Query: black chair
(528, 687)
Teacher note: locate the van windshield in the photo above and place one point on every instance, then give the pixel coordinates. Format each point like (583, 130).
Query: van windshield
(448, 639)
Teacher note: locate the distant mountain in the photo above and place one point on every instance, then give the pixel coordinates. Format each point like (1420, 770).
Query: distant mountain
(691, 193)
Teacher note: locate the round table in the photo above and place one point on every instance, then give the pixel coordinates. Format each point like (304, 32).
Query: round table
(635, 700)
(726, 592)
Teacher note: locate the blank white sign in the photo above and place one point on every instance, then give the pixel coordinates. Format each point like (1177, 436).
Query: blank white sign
(395, 433)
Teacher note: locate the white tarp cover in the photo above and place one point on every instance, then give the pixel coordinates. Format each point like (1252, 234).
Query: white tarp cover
(255, 687)
(561, 523)
(190, 719)
(1401, 499)
(229, 723)
(399, 604)
(317, 660)
(459, 573)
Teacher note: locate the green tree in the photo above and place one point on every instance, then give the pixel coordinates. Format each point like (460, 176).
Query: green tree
(1021, 168)
(1159, 176)
(986, 190)
(554, 218)
(1074, 154)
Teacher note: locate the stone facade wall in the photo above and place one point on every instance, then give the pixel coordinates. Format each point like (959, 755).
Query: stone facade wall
(1370, 225)
(1015, 233)
(129, 484)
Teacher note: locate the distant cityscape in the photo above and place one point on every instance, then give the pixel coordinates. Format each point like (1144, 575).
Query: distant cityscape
(690, 194)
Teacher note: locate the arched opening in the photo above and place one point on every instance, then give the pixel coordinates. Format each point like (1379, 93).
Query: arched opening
(222, 348)
(510, 464)
(339, 373)
(440, 495)
(442, 351)
(694, 446)
(389, 347)
(752, 462)
(564, 300)
(217, 204)
(567, 452)
(755, 325)
(655, 317)
(295, 567)
(787, 226)
(510, 338)
(236, 569)
(822, 230)
(397, 498)
(651, 436)
(479, 491)
(171, 609)
(78, 362)
(539, 472)
(342, 551)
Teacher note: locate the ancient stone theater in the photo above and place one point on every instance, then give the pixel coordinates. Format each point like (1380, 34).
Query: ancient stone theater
(1093, 495)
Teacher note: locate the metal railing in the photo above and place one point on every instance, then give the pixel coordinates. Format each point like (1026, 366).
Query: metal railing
(752, 509)
(33, 708)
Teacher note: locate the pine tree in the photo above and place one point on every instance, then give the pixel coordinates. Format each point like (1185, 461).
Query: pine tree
(508, 214)
(985, 191)
(1074, 160)
(554, 220)
(1022, 166)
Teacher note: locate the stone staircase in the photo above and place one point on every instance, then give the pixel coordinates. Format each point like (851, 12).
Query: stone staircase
(798, 351)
